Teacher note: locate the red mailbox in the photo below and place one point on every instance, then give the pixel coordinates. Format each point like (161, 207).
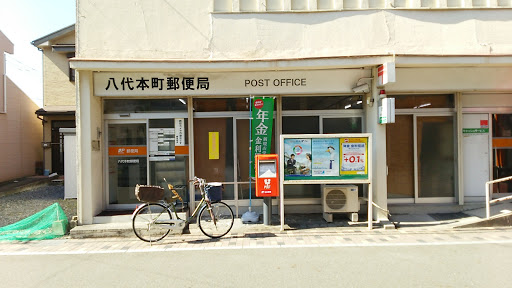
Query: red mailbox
(267, 177)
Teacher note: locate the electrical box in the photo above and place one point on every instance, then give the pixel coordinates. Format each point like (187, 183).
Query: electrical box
(386, 109)
(267, 178)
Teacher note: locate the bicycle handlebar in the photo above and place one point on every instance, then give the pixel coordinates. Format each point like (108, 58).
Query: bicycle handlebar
(197, 180)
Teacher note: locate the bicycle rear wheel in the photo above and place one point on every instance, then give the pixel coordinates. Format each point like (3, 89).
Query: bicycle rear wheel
(144, 222)
(223, 220)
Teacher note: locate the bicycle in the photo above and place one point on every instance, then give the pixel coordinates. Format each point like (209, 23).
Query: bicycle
(152, 221)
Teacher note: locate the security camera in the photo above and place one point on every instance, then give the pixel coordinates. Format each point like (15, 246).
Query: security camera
(363, 88)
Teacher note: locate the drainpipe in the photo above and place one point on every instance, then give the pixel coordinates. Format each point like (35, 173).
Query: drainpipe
(42, 121)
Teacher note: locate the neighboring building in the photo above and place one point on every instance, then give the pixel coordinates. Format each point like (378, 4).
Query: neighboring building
(59, 102)
(20, 131)
(143, 68)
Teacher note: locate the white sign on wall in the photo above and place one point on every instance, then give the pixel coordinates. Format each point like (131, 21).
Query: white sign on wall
(179, 125)
(386, 74)
(125, 84)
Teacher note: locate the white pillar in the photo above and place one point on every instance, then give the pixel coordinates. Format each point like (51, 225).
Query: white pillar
(379, 165)
(89, 158)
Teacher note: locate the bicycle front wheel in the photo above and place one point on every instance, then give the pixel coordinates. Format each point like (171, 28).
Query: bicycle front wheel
(145, 222)
(223, 216)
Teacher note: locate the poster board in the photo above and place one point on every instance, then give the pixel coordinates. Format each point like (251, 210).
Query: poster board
(326, 158)
(352, 164)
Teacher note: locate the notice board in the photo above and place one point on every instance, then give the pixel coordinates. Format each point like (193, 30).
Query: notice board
(317, 158)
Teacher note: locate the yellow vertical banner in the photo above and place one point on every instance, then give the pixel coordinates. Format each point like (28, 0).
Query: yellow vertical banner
(213, 145)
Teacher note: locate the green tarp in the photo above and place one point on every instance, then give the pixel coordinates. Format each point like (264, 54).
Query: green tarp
(47, 224)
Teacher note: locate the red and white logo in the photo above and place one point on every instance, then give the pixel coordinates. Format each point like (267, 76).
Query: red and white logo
(258, 103)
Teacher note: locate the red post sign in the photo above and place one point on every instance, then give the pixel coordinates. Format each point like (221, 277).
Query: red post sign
(267, 178)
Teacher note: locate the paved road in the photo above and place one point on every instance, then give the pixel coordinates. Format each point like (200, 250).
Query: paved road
(441, 265)
(288, 239)
(467, 258)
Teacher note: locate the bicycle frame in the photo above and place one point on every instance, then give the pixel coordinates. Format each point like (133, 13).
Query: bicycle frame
(172, 208)
(163, 214)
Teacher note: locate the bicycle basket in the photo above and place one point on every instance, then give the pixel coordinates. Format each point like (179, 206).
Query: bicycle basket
(148, 193)
(215, 192)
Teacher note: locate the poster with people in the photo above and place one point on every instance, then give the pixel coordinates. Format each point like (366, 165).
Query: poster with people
(326, 155)
(297, 157)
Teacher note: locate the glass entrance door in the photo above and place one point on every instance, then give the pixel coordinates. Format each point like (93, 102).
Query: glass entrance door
(127, 161)
(435, 156)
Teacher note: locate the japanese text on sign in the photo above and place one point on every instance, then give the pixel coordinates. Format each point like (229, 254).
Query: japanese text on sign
(179, 123)
(262, 120)
(353, 157)
(156, 83)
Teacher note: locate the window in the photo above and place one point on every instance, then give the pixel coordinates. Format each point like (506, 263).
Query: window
(322, 103)
(141, 105)
(424, 101)
(71, 71)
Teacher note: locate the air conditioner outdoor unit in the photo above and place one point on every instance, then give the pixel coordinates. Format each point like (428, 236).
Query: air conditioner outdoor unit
(340, 199)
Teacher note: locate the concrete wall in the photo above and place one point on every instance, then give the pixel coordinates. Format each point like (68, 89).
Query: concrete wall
(20, 130)
(20, 135)
(90, 182)
(136, 29)
(486, 100)
(462, 79)
(5, 47)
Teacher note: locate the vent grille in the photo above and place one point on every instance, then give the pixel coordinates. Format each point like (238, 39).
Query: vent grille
(336, 199)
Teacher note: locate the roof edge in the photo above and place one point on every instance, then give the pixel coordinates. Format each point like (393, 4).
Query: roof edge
(53, 35)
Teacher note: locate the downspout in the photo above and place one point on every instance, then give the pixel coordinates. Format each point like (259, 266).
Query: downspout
(42, 121)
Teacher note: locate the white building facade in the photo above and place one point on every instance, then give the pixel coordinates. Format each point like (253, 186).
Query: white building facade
(149, 72)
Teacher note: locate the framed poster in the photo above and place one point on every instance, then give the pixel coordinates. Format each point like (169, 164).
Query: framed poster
(297, 157)
(354, 153)
(325, 158)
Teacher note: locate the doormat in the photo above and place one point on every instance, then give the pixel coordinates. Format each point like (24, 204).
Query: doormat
(448, 216)
(116, 212)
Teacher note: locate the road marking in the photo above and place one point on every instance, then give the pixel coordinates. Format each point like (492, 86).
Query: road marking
(285, 246)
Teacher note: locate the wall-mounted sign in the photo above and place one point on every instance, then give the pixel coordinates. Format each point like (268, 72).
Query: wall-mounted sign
(386, 74)
(213, 145)
(127, 151)
(128, 161)
(126, 84)
(179, 125)
(475, 130)
(160, 141)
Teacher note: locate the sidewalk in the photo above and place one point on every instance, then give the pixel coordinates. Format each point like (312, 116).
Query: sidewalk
(314, 224)
(321, 238)
(296, 224)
